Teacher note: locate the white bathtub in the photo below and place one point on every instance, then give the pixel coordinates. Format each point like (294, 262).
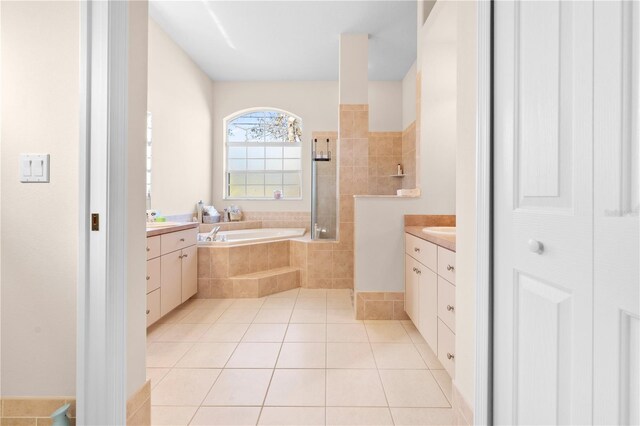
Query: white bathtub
(250, 236)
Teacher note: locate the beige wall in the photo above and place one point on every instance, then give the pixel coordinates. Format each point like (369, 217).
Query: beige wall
(385, 106)
(466, 201)
(409, 97)
(180, 100)
(40, 110)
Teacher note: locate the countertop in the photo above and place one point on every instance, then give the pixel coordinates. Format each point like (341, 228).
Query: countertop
(152, 232)
(445, 241)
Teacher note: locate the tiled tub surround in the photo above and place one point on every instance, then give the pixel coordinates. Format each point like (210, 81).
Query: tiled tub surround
(385, 153)
(390, 305)
(293, 358)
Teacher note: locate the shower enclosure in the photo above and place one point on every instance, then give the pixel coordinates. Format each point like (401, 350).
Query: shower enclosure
(324, 188)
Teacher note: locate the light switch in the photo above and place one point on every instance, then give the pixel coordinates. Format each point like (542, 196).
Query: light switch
(34, 168)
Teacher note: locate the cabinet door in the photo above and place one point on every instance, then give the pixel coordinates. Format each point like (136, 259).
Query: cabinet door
(170, 281)
(189, 272)
(153, 307)
(428, 291)
(411, 296)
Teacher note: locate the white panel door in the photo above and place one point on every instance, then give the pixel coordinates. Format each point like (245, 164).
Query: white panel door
(543, 146)
(616, 254)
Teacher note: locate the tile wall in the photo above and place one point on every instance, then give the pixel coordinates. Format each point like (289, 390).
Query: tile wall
(385, 153)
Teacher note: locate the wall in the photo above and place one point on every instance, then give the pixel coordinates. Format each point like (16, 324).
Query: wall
(466, 201)
(181, 102)
(438, 108)
(39, 221)
(409, 97)
(316, 102)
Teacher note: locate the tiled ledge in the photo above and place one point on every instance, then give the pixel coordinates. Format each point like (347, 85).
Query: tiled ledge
(380, 306)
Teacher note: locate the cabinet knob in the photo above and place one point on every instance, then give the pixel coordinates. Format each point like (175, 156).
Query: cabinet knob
(416, 249)
(148, 249)
(185, 255)
(450, 356)
(182, 240)
(450, 268)
(148, 310)
(535, 246)
(450, 308)
(418, 271)
(180, 257)
(148, 277)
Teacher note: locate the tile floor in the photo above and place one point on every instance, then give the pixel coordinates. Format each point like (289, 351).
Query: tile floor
(293, 358)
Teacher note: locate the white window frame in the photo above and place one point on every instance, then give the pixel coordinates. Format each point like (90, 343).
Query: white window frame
(225, 144)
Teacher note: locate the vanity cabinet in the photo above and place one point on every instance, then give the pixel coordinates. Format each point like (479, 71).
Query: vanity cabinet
(172, 274)
(430, 296)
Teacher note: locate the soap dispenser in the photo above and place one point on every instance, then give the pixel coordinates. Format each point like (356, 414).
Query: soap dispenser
(199, 209)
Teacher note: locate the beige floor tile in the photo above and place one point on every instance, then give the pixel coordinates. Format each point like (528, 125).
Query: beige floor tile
(225, 332)
(444, 381)
(363, 416)
(227, 416)
(209, 303)
(293, 293)
(155, 375)
(390, 332)
(273, 316)
(207, 355)
(346, 333)
(413, 332)
(339, 303)
(254, 355)
(265, 333)
(311, 303)
(279, 303)
(183, 333)
(202, 316)
(306, 333)
(312, 292)
(350, 355)
(171, 416)
(302, 355)
(292, 416)
(238, 316)
(239, 387)
(299, 387)
(412, 388)
(342, 316)
(309, 316)
(422, 416)
(397, 356)
(184, 386)
(429, 357)
(354, 388)
(155, 331)
(165, 354)
(174, 316)
(247, 303)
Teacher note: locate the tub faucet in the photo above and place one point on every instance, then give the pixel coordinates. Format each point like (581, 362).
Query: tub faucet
(211, 236)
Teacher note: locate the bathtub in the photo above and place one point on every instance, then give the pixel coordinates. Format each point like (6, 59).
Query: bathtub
(250, 236)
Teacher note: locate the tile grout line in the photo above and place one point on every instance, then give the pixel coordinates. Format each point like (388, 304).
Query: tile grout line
(384, 391)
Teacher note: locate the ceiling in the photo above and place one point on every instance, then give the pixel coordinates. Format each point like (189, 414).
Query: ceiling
(288, 40)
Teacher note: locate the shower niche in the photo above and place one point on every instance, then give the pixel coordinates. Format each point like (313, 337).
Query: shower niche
(324, 187)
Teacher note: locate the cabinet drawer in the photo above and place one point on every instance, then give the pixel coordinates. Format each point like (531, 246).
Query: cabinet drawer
(153, 307)
(447, 303)
(447, 264)
(178, 240)
(153, 274)
(447, 348)
(423, 251)
(153, 247)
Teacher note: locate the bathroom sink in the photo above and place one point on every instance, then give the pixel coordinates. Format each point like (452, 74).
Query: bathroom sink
(440, 230)
(151, 225)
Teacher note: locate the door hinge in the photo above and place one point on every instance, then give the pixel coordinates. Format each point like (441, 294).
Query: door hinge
(95, 222)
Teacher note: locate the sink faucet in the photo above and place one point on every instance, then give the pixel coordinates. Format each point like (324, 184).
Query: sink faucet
(211, 236)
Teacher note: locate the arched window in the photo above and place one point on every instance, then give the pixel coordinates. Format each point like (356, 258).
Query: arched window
(263, 155)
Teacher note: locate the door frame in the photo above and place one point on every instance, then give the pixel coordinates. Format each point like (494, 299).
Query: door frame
(102, 254)
(483, 404)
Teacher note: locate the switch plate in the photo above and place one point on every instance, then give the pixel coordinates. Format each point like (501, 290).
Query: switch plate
(34, 168)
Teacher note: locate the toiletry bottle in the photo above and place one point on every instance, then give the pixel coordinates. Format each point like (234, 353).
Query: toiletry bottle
(399, 170)
(199, 208)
